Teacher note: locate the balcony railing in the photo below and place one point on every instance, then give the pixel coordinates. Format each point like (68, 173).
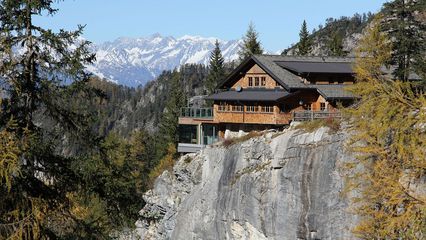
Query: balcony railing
(196, 112)
(312, 115)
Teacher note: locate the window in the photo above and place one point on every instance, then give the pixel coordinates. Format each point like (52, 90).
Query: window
(250, 82)
(237, 108)
(308, 107)
(188, 134)
(256, 81)
(221, 106)
(267, 109)
(322, 106)
(251, 108)
(283, 108)
(263, 81)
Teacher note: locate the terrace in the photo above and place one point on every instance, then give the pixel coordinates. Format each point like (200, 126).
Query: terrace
(190, 112)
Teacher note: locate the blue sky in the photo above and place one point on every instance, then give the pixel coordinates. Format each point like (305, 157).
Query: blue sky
(277, 21)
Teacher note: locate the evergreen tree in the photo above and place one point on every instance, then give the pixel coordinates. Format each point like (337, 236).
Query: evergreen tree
(168, 128)
(251, 44)
(216, 69)
(304, 46)
(335, 45)
(408, 34)
(47, 187)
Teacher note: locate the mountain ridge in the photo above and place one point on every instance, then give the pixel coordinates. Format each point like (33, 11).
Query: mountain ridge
(135, 61)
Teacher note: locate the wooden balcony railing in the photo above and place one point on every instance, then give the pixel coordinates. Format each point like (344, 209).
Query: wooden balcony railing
(312, 115)
(189, 112)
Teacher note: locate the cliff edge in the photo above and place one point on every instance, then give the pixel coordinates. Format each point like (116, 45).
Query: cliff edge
(280, 185)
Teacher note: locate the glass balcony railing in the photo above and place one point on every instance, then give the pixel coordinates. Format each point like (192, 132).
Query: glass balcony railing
(189, 112)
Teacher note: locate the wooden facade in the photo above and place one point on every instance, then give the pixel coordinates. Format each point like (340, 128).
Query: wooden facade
(276, 113)
(255, 75)
(281, 114)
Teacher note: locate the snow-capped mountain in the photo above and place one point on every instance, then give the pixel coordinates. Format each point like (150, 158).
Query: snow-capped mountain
(134, 61)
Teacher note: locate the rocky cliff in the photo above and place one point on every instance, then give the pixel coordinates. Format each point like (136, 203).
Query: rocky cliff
(281, 185)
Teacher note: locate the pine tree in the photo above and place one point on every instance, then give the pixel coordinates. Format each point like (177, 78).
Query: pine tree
(335, 45)
(216, 69)
(304, 46)
(43, 75)
(408, 34)
(168, 127)
(251, 45)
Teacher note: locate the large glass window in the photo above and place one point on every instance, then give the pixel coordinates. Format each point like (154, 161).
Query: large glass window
(323, 106)
(209, 134)
(256, 81)
(188, 134)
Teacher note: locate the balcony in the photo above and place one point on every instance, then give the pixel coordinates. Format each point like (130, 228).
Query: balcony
(313, 115)
(204, 113)
(189, 148)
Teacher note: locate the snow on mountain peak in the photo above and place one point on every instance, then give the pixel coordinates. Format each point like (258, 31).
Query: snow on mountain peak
(197, 38)
(134, 61)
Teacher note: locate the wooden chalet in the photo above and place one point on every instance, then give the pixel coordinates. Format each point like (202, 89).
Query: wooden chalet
(269, 91)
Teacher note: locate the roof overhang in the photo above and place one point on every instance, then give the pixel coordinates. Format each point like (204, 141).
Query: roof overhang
(250, 95)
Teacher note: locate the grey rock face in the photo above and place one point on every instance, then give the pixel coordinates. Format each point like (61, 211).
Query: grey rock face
(270, 187)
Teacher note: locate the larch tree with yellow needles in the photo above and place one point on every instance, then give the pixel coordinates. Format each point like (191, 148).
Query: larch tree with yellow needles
(389, 139)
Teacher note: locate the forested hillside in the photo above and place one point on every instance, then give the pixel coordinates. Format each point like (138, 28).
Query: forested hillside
(344, 31)
(123, 109)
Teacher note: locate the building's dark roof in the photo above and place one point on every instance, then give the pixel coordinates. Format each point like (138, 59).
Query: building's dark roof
(249, 95)
(282, 68)
(286, 78)
(286, 70)
(317, 67)
(333, 91)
